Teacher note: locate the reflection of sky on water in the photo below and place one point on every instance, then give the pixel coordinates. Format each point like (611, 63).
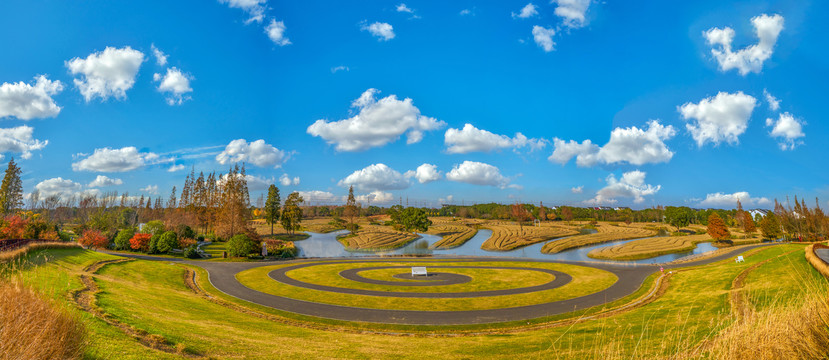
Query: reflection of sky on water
(326, 245)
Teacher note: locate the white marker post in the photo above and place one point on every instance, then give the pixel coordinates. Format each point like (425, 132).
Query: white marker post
(264, 249)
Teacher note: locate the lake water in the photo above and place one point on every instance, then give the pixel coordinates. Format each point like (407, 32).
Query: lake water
(326, 245)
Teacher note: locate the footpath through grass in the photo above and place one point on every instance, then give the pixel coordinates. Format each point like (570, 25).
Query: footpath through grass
(151, 296)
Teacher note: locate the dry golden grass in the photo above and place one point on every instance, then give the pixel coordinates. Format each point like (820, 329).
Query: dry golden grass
(646, 248)
(508, 236)
(606, 233)
(22, 251)
(817, 262)
(31, 327)
(374, 237)
(455, 232)
(779, 332)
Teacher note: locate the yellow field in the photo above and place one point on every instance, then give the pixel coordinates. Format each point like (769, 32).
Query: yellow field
(606, 233)
(508, 236)
(373, 237)
(646, 248)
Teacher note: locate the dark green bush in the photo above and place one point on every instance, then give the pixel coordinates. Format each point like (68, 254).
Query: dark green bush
(240, 245)
(168, 241)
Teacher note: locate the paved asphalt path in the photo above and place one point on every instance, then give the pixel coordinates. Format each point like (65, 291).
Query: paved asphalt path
(823, 254)
(630, 277)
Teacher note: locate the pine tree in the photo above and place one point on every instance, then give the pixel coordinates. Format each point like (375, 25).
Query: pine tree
(542, 213)
(350, 210)
(171, 202)
(739, 214)
(272, 206)
(770, 227)
(11, 190)
(717, 229)
(748, 224)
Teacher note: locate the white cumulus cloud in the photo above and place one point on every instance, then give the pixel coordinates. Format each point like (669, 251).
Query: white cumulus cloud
(257, 152)
(424, 173)
(375, 197)
(150, 189)
(577, 189)
(175, 167)
(774, 103)
(19, 140)
(730, 200)
(286, 180)
(751, 58)
(105, 74)
(631, 185)
(626, 145)
(723, 117)
(572, 12)
(160, 56)
(176, 84)
(102, 181)
(26, 101)
(471, 139)
(527, 11)
(382, 31)
(544, 37)
(276, 32)
(320, 196)
(115, 160)
(478, 173)
(403, 8)
(377, 123)
(375, 177)
(788, 129)
(254, 8)
(58, 186)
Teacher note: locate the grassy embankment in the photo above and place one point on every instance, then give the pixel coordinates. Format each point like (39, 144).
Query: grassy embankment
(605, 233)
(150, 296)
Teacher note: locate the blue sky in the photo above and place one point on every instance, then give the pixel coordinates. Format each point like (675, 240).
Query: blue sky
(360, 93)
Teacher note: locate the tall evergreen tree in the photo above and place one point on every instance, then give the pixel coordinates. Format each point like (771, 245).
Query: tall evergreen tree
(11, 190)
(292, 213)
(171, 202)
(350, 210)
(272, 206)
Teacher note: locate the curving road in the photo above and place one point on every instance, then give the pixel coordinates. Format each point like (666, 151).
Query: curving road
(630, 277)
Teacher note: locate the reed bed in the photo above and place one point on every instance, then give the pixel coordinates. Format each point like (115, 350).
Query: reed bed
(606, 233)
(377, 238)
(647, 248)
(508, 236)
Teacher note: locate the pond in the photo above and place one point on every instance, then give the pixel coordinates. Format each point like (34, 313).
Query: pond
(326, 245)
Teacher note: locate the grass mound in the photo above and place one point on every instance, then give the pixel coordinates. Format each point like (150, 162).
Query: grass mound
(606, 233)
(508, 236)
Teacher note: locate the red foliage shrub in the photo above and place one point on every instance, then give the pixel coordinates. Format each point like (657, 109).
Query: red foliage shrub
(13, 227)
(140, 242)
(94, 239)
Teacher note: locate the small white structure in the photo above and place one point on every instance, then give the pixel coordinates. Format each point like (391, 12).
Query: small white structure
(740, 259)
(419, 270)
(264, 249)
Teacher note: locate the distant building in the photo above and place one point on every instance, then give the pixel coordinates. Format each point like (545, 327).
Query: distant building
(761, 212)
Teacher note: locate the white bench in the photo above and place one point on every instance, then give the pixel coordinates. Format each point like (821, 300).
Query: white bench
(419, 270)
(740, 259)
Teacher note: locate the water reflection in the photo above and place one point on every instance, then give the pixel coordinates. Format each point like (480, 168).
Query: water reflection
(326, 245)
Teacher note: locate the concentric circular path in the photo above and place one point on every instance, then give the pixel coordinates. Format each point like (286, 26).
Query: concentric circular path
(630, 278)
(222, 276)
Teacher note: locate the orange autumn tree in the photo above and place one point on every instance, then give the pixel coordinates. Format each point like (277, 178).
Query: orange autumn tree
(94, 239)
(717, 228)
(140, 242)
(748, 224)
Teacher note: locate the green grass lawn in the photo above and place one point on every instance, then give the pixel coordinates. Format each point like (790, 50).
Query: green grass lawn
(150, 296)
(585, 281)
(482, 279)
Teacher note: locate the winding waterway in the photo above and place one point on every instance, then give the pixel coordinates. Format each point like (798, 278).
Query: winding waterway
(326, 245)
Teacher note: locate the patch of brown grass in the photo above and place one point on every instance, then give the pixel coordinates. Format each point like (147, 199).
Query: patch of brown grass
(777, 333)
(606, 233)
(508, 236)
(32, 327)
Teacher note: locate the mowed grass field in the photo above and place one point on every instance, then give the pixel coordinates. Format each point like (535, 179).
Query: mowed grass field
(508, 236)
(605, 233)
(150, 296)
(585, 281)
